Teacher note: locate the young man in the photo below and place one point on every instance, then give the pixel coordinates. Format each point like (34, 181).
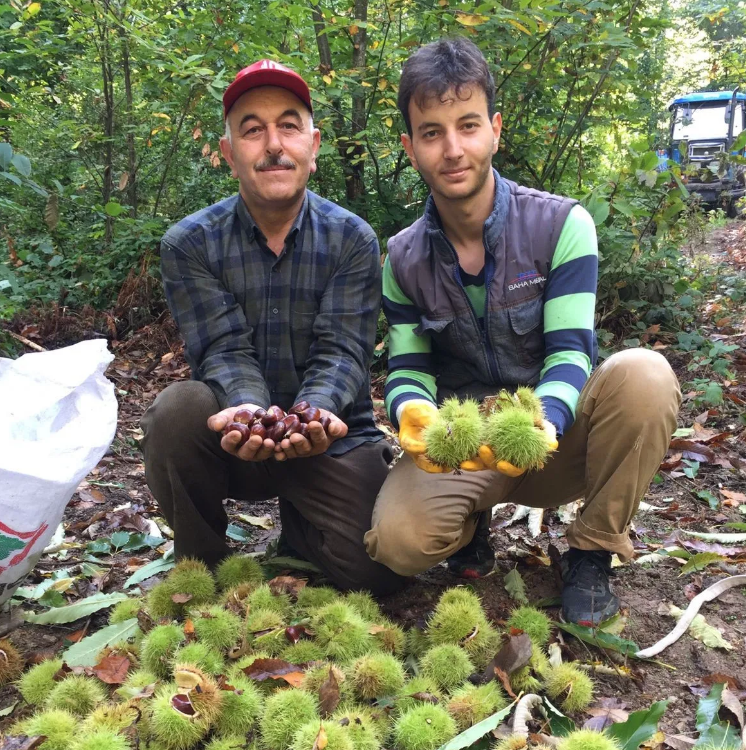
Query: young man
(494, 287)
(276, 292)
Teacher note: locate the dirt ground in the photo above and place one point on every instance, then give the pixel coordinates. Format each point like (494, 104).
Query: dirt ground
(151, 358)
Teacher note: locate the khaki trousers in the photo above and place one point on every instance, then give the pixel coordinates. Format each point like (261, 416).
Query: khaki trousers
(325, 502)
(624, 421)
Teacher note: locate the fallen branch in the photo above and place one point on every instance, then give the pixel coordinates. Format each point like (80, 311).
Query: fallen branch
(30, 344)
(710, 593)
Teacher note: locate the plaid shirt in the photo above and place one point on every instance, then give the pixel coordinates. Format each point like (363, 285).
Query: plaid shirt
(266, 329)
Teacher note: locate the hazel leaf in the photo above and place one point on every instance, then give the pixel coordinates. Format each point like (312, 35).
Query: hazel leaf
(515, 586)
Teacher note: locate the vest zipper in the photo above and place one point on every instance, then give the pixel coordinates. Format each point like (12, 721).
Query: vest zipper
(489, 355)
(491, 359)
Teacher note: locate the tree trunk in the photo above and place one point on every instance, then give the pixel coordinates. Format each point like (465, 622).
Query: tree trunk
(108, 90)
(131, 156)
(356, 186)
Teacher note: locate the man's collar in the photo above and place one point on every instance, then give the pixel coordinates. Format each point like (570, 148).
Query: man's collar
(252, 229)
(495, 223)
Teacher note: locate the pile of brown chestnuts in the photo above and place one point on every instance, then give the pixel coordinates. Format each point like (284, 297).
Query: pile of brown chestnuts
(274, 424)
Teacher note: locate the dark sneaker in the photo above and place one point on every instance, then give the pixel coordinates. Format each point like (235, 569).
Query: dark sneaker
(587, 598)
(477, 559)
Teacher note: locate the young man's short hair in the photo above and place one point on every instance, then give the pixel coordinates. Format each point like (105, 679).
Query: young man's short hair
(440, 66)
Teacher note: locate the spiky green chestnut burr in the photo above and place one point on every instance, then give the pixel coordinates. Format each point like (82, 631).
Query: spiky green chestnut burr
(390, 637)
(512, 742)
(266, 629)
(203, 692)
(426, 727)
(202, 656)
(587, 739)
(365, 605)
(263, 598)
(527, 399)
(113, 717)
(422, 686)
(190, 577)
(101, 739)
(228, 743)
(513, 437)
(11, 662)
(158, 648)
(314, 597)
(36, 684)
(139, 679)
(452, 408)
(170, 725)
(470, 704)
(450, 441)
(216, 627)
(77, 694)
(448, 665)
(416, 642)
(461, 595)
(315, 677)
(376, 676)
(461, 621)
(570, 685)
(285, 713)
(365, 731)
(306, 738)
(237, 569)
(241, 708)
(125, 610)
(342, 633)
(533, 622)
(529, 679)
(59, 727)
(303, 651)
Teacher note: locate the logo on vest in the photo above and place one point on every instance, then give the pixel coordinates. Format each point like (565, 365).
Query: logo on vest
(524, 279)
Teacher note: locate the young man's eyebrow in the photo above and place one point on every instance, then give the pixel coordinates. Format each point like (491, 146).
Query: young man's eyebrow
(469, 116)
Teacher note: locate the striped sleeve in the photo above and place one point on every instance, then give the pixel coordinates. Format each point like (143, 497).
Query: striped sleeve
(410, 356)
(569, 309)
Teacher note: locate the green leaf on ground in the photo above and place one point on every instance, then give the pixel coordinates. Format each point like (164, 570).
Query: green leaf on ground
(736, 525)
(237, 534)
(119, 539)
(700, 561)
(712, 731)
(640, 726)
(85, 652)
(472, 734)
(147, 571)
(699, 628)
(560, 724)
(98, 547)
(598, 638)
(709, 498)
(614, 625)
(515, 586)
(73, 612)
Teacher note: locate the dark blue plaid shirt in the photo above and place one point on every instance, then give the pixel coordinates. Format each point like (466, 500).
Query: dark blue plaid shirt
(266, 329)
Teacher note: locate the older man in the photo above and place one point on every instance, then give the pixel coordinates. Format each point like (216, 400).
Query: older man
(276, 292)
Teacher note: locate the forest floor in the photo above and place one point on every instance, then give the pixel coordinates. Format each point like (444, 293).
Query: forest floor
(701, 487)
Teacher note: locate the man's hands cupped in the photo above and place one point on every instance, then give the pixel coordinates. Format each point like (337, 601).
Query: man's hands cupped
(255, 448)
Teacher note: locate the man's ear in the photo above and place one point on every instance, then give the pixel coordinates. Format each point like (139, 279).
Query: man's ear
(406, 141)
(497, 126)
(227, 150)
(316, 135)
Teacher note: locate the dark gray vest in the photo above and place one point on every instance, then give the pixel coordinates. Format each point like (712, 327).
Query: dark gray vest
(521, 236)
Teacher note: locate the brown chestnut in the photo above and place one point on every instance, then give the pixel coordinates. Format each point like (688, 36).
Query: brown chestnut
(274, 414)
(258, 429)
(299, 407)
(241, 428)
(312, 414)
(259, 413)
(303, 430)
(325, 422)
(292, 423)
(276, 432)
(244, 416)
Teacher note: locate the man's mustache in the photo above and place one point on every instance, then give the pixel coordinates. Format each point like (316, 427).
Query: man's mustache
(272, 162)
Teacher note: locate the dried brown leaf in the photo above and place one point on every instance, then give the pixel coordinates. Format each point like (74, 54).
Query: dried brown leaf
(112, 669)
(329, 695)
(287, 585)
(275, 669)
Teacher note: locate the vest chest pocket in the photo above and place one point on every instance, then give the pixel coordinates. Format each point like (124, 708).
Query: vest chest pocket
(450, 336)
(526, 323)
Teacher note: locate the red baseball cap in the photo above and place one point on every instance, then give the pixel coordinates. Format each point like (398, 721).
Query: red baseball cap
(266, 73)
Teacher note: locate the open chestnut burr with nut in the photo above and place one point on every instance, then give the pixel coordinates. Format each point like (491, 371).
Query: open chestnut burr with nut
(274, 424)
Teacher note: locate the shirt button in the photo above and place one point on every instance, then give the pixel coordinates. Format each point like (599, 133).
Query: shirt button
(275, 310)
